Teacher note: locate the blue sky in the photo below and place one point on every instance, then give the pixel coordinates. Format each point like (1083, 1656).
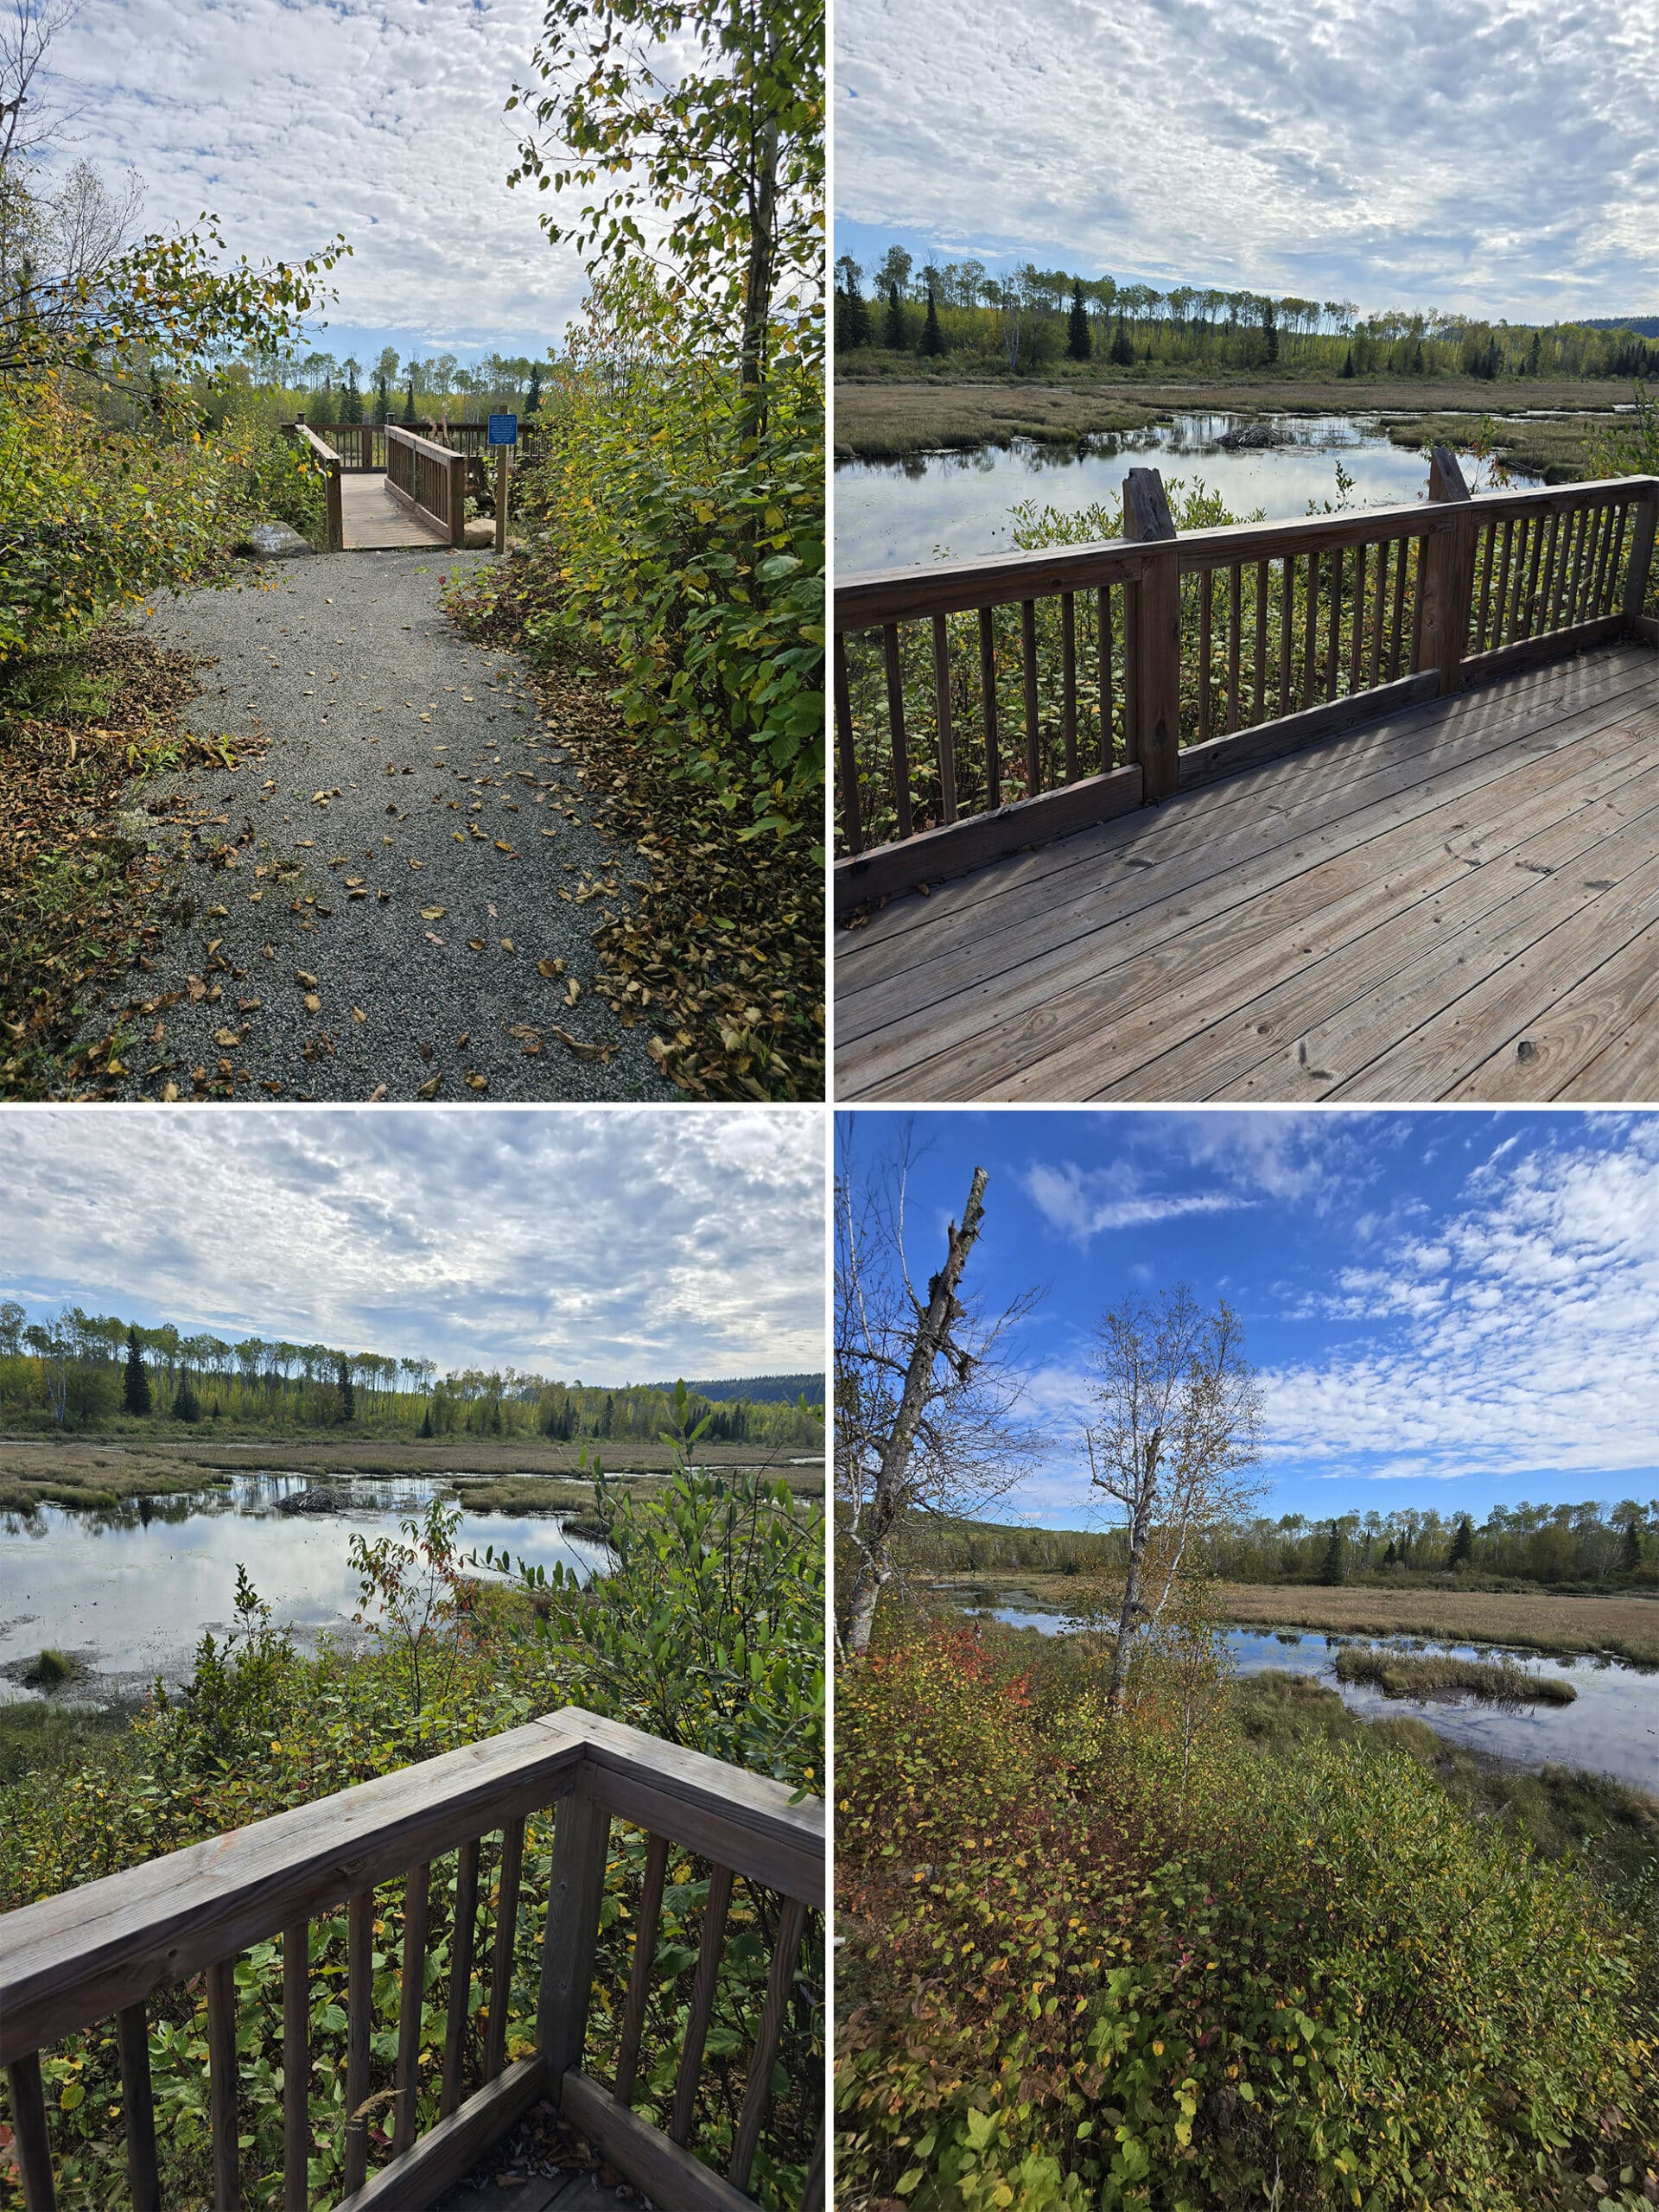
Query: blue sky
(622, 1244)
(1496, 157)
(1446, 1309)
(381, 118)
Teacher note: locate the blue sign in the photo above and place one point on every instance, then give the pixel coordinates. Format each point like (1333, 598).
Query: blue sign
(503, 430)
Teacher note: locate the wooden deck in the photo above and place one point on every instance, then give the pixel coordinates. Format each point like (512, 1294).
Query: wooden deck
(373, 521)
(1458, 901)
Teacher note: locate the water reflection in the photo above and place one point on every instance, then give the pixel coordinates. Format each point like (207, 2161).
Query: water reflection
(131, 1587)
(891, 513)
(1611, 1726)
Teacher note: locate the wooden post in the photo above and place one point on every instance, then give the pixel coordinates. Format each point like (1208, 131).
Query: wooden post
(457, 499)
(501, 498)
(1641, 562)
(1448, 577)
(1155, 736)
(331, 495)
(581, 1842)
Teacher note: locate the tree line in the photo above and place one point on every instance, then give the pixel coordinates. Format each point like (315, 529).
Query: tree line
(1034, 318)
(79, 1370)
(1589, 1542)
(328, 391)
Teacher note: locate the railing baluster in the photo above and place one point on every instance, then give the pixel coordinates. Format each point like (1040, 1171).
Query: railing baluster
(1501, 610)
(1204, 581)
(1311, 630)
(1615, 555)
(222, 2084)
(1379, 601)
(639, 1972)
(1286, 619)
(1566, 534)
(988, 690)
(582, 1843)
(812, 2189)
(297, 2066)
(942, 708)
(1490, 535)
(1234, 602)
(1069, 682)
(703, 2002)
(506, 1929)
(1028, 661)
(1419, 601)
(1584, 564)
(31, 2138)
(360, 2021)
(757, 2090)
(1356, 642)
(461, 1977)
(851, 827)
(1396, 634)
(410, 2003)
(1104, 616)
(1334, 651)
(1542, 527)
(1606, 555)
(138, 2107)
(1259, 695)
(896, 726)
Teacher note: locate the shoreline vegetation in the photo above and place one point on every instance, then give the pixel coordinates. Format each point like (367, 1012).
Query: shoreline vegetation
(1618, 1624)
(908, 412)
(527, 1474)
(1433, 1674)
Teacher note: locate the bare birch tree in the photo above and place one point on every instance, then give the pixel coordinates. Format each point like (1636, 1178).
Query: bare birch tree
(926, 1401)
(1176, 1416)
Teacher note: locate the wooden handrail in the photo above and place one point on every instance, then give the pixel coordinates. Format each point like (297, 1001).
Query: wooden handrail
(1128, 680)
(329, 461)
(429, 479)
(70, 1961)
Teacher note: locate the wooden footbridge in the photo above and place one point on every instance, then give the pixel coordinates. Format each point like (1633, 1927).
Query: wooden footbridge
(109, 1948)
(387, 485)
(1361, 806)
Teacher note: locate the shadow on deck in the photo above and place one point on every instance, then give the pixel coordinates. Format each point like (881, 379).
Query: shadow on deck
(1406, 847)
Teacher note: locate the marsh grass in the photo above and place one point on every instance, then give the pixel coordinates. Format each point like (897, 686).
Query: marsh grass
(1435, 1675)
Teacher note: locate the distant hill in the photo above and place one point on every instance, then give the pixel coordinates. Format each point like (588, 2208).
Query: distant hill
(757, 1389)
(1644, 325)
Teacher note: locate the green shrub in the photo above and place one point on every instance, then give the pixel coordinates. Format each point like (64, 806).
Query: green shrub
(1312, 1980)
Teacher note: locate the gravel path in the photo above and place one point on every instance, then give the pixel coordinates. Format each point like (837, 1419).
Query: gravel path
(395, 885)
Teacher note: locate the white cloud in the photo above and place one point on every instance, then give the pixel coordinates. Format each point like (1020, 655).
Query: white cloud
(382, 121)
(615, 1244)
(1493, 156)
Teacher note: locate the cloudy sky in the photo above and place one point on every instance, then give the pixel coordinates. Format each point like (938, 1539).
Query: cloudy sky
(1448, 1309)
(1495, 157)
(294, 121)
(615, 1245)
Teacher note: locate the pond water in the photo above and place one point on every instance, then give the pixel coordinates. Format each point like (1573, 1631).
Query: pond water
(892, 514)
(130, 1589)
(1611, 1726)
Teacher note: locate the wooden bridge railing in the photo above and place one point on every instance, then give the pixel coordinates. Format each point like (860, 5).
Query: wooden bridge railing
(429, 479)
(73, 1960)
(1132, 668)
(329, 461)
(362, 445)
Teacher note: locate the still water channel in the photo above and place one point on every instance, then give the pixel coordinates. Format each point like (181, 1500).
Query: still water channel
(1611, 1727)
(892, 514)
(130, 1589)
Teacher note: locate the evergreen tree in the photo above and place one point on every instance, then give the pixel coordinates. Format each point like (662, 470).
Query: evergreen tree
(1270, 329)
(186, 1404)
(893, 335)
(533, 396)
(426, 1422)
(1534, 358)
(1347, 368)
(1334, 1568)
(1121, 352)
(1630, 1550)
(409, 405)
(1462, 1542)
(932, 338)
(1390, 1558)
(347, 1395)
(137, 1395)
(853, 327)
(350, 400)
(1076, 327)
(382, 399)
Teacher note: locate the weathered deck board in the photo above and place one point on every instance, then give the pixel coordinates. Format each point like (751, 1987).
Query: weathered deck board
(374, 522)
(1307, 928)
